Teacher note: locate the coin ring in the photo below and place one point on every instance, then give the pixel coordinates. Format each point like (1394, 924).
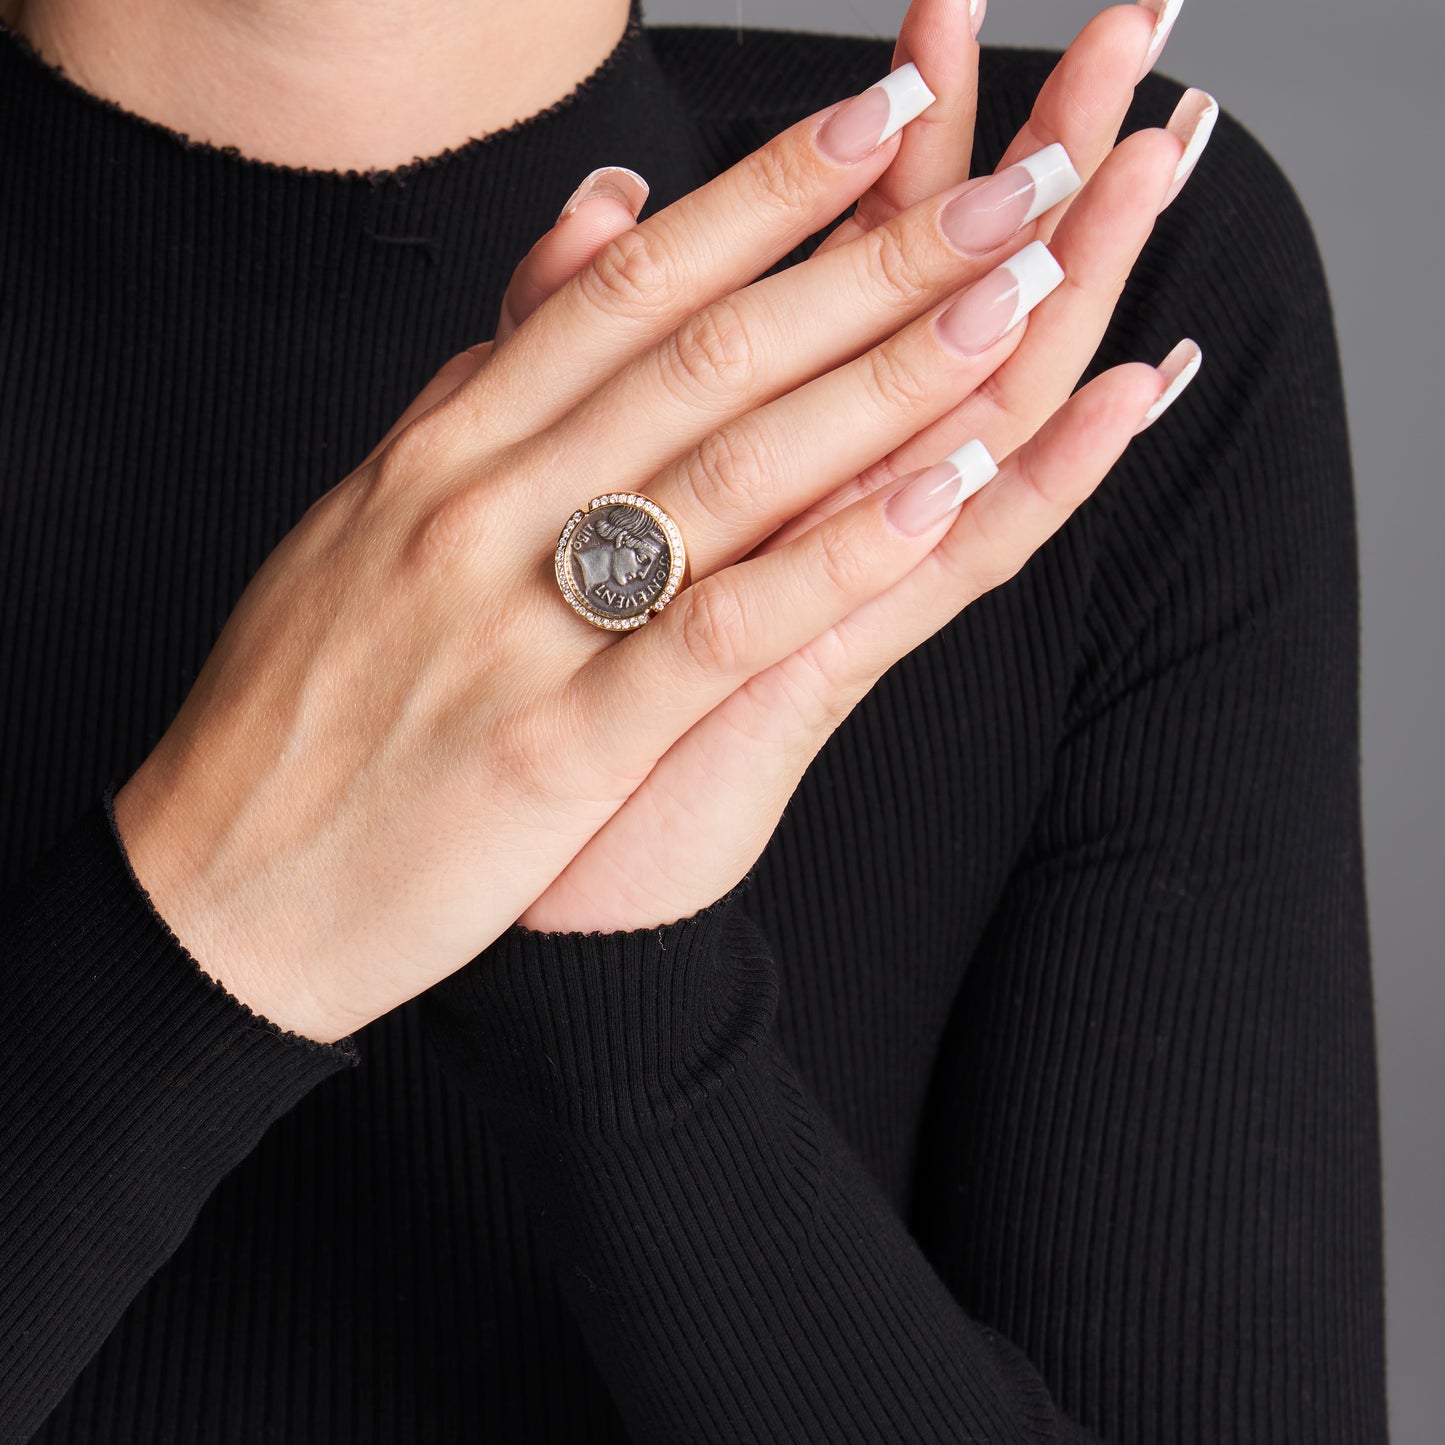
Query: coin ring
(576, 596)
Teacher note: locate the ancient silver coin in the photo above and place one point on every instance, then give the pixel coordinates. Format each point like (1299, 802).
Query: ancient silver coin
(618, 558)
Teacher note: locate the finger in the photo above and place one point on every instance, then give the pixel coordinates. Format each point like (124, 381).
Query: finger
(727, 627)
(1097, 247)
(723, 361)
(723, 658)
(1084, 101)
(607, 203)
(939, 37)
(707, 244)
(1097, 250)
(1038, 489)
(751, 476)
(744, 351)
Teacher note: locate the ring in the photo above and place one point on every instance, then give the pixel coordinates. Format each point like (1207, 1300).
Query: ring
(619, 560)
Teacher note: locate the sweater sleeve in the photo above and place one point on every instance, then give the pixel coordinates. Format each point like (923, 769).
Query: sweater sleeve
(737, 1273)
(1154, 1154)
(130, 1084)
(1149, 1188)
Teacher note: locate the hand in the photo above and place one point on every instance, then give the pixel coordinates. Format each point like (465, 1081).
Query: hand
(316, 828)
(402, 735)
(728, 780)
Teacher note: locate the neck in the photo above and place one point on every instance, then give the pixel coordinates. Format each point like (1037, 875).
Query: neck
(327, 84)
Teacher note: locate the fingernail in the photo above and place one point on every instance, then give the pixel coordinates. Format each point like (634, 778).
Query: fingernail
(615, 181)
(976, 10)
(925, 499)
(1178, 369)
(1193, 122)
(989, 214)
(992, 307)
(862, 124)
(1168, 13)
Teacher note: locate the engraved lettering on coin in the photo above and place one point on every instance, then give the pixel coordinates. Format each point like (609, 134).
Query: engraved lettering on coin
(619, 559)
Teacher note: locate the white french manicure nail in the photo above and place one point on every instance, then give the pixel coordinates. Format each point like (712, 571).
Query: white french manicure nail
(992, 307)
(1193, 123)
(908, 97)
(976, 10)
(1037, 273)
(925, 500)
(616, 181)
(1055, 179)
(985, 215)
(974, 465)
(860, 125)
(1167, 12)
(1178, 369)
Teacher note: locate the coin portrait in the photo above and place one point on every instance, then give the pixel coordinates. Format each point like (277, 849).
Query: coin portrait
(619, 559)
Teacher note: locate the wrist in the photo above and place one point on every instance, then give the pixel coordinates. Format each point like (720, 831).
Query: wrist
(166, 859)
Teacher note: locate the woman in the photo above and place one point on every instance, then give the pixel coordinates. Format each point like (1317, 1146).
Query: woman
(914, 986)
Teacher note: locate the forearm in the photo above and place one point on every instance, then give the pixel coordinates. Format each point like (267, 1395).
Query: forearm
(131, 1084)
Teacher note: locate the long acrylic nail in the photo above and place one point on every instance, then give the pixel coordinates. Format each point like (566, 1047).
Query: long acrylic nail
(1178, 369)
(862, 124)
(988, 214)
(992, 307)
(976, 9)
(922, 501)
(615, 181)
(1167, 12)
(1193, 122)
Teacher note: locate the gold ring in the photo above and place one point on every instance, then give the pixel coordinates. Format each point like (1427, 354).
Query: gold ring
(619, 560)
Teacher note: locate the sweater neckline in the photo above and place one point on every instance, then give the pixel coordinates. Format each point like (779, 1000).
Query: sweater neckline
(611, 72)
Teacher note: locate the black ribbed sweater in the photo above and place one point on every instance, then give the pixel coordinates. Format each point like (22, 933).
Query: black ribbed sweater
(1024, 1092)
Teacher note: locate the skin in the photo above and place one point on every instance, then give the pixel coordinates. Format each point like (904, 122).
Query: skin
(329, 84)
(329, 836)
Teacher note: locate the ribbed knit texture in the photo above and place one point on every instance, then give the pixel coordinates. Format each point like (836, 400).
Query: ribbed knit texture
(1025, 1091)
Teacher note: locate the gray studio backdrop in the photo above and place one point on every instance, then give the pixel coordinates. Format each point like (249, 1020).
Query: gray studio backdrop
(1347, 97)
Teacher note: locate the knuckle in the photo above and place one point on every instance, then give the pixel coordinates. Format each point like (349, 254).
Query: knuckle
(895, 383)
(417, 452)
(710, 355)
(1007, 406)
(728, 474)
(447, 527)
(822, 700)
(892, 269)
(781, 179)
(713, 628)
(634, 274)
(990, 559)
(812, 690)
(521, 752)
(845, 568)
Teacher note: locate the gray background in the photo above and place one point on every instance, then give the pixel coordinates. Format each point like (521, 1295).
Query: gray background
(1347, 97)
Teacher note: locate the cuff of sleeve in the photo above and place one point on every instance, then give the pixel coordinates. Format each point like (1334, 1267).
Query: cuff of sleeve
(117, 1006)
(607, 1034)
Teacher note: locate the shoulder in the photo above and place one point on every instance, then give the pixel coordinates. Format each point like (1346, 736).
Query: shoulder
(1234, 516)
(1236, 243)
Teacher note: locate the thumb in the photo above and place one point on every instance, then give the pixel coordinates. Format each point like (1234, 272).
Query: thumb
(607, 203)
